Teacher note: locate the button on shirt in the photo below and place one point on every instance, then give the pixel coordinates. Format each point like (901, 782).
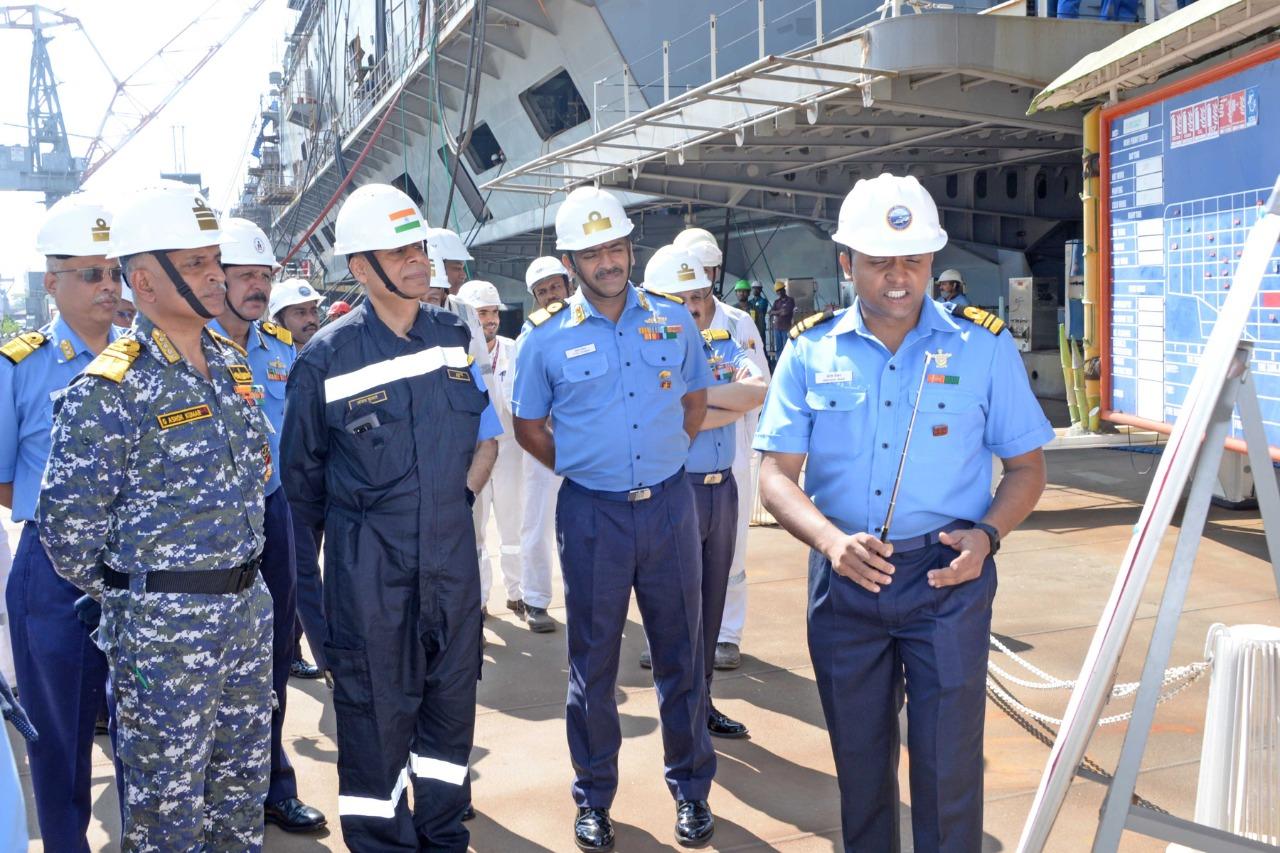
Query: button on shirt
(26, 409)
(841, 397)
(613, 391)
(713, 449)
(163, 470)
(270, 360)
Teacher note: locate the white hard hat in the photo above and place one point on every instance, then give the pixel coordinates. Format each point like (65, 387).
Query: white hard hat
(292, 291)
(245, 244)
(890, 216)
(163, 218)
(541, 268)
(377, 216)
(590, 217)
(439, 278)
(480, 294)
(673, 270)
(76, 226)
(951, 275)
(446, 245)
(702, 244)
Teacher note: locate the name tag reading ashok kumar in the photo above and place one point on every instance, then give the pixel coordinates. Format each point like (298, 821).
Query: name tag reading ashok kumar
(183, 416)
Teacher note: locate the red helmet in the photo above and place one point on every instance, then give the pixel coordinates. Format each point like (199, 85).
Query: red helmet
(337, 309)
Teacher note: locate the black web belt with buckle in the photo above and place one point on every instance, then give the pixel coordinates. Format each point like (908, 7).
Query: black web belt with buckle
(219, 582)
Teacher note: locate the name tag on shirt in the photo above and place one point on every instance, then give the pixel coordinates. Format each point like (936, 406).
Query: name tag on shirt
(577, 351)
(833, 377)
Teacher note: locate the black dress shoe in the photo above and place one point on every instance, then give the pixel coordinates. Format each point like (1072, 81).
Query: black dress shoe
(718, 725)
(694, 823)
(293, 815)
(593, 830)
(469, 814)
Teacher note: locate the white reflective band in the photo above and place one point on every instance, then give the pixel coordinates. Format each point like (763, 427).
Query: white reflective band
(372, 806)
(384, 372)
(434, 768)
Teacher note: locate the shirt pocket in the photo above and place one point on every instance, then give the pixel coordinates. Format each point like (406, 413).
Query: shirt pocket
(585, 368)
(840, 414)
(664, 355)
(949, 425)
(380, 455)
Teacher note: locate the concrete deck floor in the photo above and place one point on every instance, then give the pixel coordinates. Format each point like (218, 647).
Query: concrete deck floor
(777, 790)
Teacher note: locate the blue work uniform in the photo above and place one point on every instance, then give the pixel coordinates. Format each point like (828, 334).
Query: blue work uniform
(61, 673)
(624, 518)
(841, 397)
(715, 493)
(269, 353)
(379, 433)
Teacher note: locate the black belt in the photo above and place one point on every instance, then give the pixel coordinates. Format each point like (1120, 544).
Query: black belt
(220, 582)
(924, 540)
(713, 478)
(641, 494)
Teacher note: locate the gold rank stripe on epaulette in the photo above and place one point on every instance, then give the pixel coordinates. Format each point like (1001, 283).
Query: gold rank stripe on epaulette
(114, 361)
(22, 346)
(223, 339)
(542, 315)
(280, 333)
(809, 322)
(679, 300)
(991, 322)
(710, 335)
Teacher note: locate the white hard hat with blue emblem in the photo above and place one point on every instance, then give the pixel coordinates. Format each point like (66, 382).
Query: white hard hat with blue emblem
(292, 291)
(890, 216)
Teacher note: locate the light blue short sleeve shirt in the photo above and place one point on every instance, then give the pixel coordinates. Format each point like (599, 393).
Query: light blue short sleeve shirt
(839, 396)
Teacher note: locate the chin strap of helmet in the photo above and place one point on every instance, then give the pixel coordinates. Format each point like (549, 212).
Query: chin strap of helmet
(382, 276)
(180, 284)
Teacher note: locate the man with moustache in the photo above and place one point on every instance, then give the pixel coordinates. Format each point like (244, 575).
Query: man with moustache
(620, 375)
(152, 504)
(548, 282)
(249, 264)
(61, 673)
(906, 606)
(296, 305)
(388, 437)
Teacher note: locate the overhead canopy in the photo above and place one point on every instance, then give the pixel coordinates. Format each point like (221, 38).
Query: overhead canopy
(1142, 57)
(936, 95)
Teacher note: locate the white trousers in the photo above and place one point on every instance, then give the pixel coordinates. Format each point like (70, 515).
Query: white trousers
(6, 648)
(503, 495)
(538, 532)
(746, 471)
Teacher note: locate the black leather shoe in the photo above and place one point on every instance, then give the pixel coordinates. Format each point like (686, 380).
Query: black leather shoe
(718, 725)
(293, 815)
(593, 830)
(469, 814)
(302, 668)
(694, 823)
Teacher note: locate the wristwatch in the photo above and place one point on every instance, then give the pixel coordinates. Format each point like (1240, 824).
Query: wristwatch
(992, 534)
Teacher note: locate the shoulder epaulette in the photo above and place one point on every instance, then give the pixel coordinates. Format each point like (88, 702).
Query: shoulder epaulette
(542, 315)
(280, 333)
(809, 322)
(224, 340)
(22, 346)
(710, 335)
(679, 300)
(991, 322)
(114, 361)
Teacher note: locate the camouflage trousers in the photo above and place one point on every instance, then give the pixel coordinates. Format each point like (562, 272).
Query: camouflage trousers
(192, 678)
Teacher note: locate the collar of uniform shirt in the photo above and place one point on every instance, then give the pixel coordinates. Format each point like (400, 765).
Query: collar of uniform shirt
(390, 344)
(933, 318)
(255, 333)
(579, 298)
(62, 331)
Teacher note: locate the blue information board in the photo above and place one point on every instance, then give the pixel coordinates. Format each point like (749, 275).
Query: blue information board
(1186, 171)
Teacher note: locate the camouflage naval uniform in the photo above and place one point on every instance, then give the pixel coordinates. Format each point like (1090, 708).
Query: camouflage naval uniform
(154, 469)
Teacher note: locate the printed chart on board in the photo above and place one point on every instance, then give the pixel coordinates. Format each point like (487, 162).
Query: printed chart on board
(1187, 177)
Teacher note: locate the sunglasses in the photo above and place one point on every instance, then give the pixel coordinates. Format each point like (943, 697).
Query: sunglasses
(93, 275)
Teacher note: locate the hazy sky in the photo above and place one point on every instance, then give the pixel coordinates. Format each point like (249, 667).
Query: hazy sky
(215, 110)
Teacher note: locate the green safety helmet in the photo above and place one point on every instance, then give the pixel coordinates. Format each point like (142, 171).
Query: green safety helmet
(742, 285)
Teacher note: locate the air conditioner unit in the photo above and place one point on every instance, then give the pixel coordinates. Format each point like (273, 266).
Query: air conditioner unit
(1239, 786)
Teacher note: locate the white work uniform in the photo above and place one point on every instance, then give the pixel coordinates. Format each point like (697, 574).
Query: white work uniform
(504, 493)
(746, 470)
